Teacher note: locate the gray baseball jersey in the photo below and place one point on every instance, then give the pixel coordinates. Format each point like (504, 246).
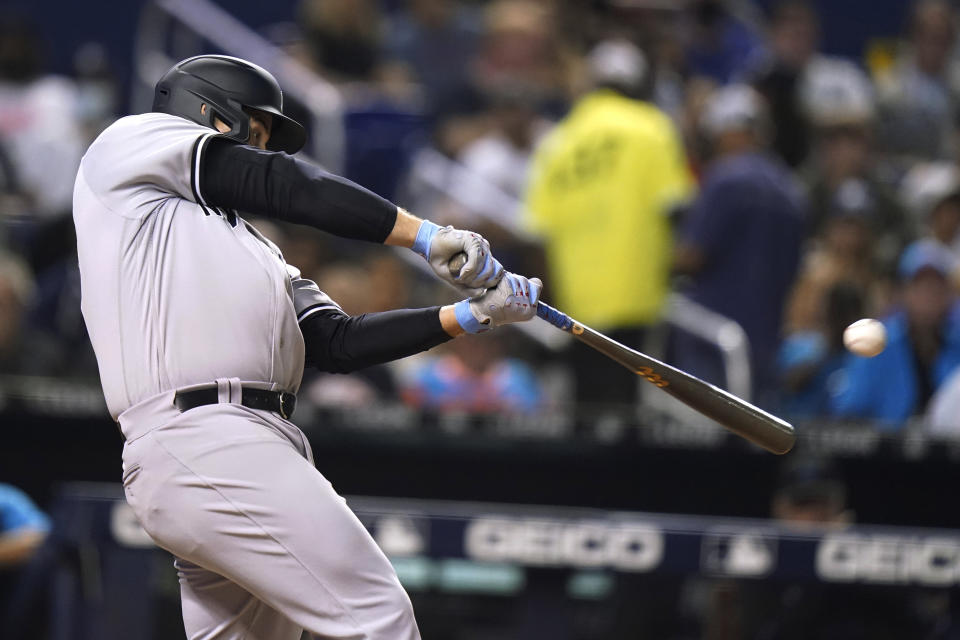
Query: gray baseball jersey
(176, 293)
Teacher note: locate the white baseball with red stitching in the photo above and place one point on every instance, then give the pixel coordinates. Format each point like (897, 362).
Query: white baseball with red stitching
(867, 337)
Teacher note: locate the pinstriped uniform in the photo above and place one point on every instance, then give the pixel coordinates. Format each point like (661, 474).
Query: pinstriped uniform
(178, 294)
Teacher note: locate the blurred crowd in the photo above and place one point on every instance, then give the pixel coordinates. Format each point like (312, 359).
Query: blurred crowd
(627, 151)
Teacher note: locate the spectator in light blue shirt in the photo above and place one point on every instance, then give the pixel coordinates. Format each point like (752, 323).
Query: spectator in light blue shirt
(474, 376)
(22, 526)
(923, 345)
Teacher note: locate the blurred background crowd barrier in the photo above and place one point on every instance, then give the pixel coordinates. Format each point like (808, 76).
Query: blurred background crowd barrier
(724, 184)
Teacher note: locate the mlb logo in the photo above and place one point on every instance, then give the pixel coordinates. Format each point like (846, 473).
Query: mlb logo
(740, 553)
(399, 535)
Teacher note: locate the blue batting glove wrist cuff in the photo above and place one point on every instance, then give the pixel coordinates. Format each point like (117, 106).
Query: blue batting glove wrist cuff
(465, 317)
(424, 237)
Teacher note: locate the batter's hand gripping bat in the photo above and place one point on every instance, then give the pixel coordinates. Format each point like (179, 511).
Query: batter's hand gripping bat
(737, 415)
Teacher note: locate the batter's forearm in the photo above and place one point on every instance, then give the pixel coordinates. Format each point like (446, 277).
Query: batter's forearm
(279, 186)
(339, 343)
(404, 230)
(449, 322)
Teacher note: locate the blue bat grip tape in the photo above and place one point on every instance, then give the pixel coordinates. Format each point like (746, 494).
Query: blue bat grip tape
(554, 317)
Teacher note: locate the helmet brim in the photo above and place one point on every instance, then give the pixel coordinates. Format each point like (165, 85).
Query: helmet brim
(286, 134)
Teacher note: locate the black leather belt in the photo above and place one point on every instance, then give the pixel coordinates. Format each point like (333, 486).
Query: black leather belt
(277, 401)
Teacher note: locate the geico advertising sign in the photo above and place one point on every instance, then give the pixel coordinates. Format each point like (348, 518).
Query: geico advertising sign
(889, 559)
(625, 546)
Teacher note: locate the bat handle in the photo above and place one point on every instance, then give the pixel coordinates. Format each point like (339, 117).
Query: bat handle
(557, 318)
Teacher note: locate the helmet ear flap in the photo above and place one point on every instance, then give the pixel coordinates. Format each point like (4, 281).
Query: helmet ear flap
(191, 104)
(184, 103)
(161, 97)
(234, 117)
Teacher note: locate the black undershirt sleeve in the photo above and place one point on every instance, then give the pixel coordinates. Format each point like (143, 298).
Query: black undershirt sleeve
(339, 343)
(276, 185)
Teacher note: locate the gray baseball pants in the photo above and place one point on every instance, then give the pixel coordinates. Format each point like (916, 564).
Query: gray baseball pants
(264, 546)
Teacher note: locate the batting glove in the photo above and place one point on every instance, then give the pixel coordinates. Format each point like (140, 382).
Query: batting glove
(513, 300)
(439, 244)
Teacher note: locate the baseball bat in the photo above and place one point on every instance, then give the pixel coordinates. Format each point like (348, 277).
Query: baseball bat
(735, 414)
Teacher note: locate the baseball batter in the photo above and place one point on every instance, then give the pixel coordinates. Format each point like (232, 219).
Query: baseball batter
(202, 331)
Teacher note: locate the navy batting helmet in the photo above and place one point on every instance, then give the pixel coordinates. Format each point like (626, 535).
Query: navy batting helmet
(226, 85)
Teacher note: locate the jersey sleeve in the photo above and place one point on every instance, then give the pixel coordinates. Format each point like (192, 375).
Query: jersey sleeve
(308, 299)
(339, 343)
(142, 160)
(278, 186)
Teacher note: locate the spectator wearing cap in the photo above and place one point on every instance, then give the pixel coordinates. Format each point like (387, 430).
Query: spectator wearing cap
(811, 498)
(923, 345)
(740, 242)
(837, 284)
(810, 491)
(602, 186)
(838, 102)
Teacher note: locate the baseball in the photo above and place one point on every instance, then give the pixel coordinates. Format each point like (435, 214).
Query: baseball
(866, 337)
